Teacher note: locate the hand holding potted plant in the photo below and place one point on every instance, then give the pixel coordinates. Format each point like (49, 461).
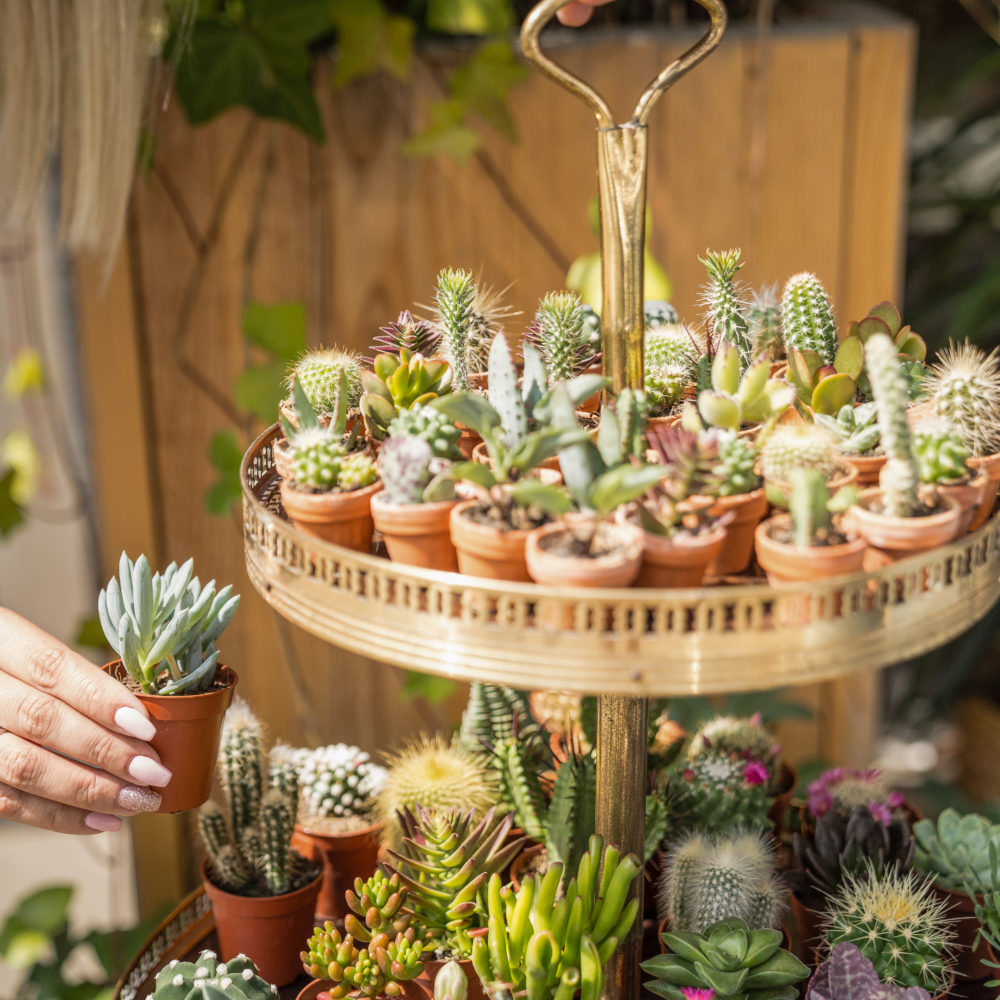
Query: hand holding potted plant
(164, 627)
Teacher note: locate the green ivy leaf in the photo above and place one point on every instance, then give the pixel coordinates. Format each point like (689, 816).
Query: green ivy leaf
(11, 513)
(447, 132)
(370, 38)
(432, 689)
(259, 389)
(470, 17)
(19, 454)
(225, 455)
(24, 374)
(90, 635)
(484, 82)
(279, 329)
(259, 59)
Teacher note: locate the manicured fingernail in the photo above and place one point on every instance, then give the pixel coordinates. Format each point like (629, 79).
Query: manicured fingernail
(138, 800)
(99, 821)
(146, 771)
(133, 722)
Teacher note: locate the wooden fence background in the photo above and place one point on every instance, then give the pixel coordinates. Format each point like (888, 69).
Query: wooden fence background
(794, 151)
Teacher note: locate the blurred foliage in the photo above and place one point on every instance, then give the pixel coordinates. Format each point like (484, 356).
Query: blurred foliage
(20, 462)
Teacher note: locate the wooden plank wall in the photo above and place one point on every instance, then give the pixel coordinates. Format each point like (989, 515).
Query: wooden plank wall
(796, 153)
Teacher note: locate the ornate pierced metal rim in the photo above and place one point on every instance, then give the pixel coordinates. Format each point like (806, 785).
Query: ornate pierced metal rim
(628, 641)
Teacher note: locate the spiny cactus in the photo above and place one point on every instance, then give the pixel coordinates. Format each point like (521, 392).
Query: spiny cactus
(429, 425)
(723, 299)
(763, 315)
(489, 313)
(454, 295)
(206, 978)
(941, 453)
(319, 462)
(798, 446)
(336, 780)
(669, 361)
(438, 774)
(900, 477)
(718, 794)
(807, 317)
(845, 789)
(411, 474)
(727, 734)
(492, 714)
(319, 374)
(414, 335)
(708, 879)
(964, 388)
(559, 337)
(899, 925)
(249, 849)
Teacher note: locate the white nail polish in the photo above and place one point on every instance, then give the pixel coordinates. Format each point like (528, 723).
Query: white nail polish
(133, 722)
(147, 771)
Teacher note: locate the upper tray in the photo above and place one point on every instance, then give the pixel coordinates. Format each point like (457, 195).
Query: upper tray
(629, 641)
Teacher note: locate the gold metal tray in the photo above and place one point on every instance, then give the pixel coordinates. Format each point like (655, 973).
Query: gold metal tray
(631, 641)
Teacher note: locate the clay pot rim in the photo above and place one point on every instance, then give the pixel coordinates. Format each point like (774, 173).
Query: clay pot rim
(633, 539)
(683, 540)
(328, 497)
(868, 496)
(844, 475)
(458, 514)
(116, 669)
(302, 891)
(380, 499)
(313, 989)
(765, 529)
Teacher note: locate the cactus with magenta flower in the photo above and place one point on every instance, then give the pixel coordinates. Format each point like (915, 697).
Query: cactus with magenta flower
(206, 978)
(844, 789)
(718, 794)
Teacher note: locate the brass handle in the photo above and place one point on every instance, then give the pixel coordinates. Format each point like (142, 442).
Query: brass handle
(543, 12)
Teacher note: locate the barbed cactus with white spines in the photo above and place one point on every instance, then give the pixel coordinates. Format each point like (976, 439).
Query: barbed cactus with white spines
(708, 879)
(558, 335)
(489, 312)
(317, 456)
(454, 296)
(798, 446)
(964, 388)
(723, 299)
(319, 373)
(669, 363)
(763, 315)
(727, 734)
(206, 978)
(900, 477)
(899, 925)
(807, 317)
(337, 780)
(429, 425)
(719, 794)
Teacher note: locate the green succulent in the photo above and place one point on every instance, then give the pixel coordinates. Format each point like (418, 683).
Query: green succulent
(398, 383)
(559, 336)
(717, 794)
(955, 851)
(941, 453)
(856, 428)
(326, 376)
(429, 425)
(736, 962)
(206, 978)
(807, 318)
(734, 399)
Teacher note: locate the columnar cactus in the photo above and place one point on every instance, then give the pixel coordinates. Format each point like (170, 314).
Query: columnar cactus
(337, 780)
(807, 317)
(764, 324)
(206, 978)
(455, 294)
(319, 373)
(900, 477)
(964, 389)
(798, 446)
(723, 300)
(559, 337)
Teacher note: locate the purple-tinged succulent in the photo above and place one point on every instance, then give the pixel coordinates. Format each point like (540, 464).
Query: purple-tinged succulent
(848, 975)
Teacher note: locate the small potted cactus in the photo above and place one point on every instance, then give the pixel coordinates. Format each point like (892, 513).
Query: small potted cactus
(325, 376)
(857, 434)
(894, 518)
(809, 543)
(331, 481)
(670, 358)
(943, 460)
(164, 627)
(560, 335)
(848, 975)
(414, 509)
(263, 892)
(798, 444)
(206, 978)
(334, 826)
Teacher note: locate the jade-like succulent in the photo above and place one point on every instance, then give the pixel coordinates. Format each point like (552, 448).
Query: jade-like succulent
(763, 314)
(964, 389)
(730, 961)
(899, 925)
(955, 851)
(444, 861)
(798, 445)
(249, 842)
(900, 477)
(885, 319)
(807, 318)
(399, 383)
(413, 335)
(848, 975)
(735, 400)
(411, 474)
(321, 375)
(164, 626)
(719, 794)
(941, 453)
(707, 879)
(559, 336)
(723, 299)
(206, 978)
(856, 428)
(855, 844)
(336, 780)
(814, 511)
(553, 949)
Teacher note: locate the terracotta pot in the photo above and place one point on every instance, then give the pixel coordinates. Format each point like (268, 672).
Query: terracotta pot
(344, 857)
(592, 403)
(748, 510)
(808, 931)
(982, 513)
(867, 467)
(271, 930)
(894, 538)
(969, 961)
(467, 441)
(680, 561)
(519, 866)
(486, 551)
(432, 966)
(778, 812)
(319, 989)
(188, 729)
(970, 497)
(786, 563)
(845, 474)
(343, 518)
(417, 534)
(282, 457)
(990, 464)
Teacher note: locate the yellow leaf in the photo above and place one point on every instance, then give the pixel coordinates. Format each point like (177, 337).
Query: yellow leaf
(24, 374)
(18, 452)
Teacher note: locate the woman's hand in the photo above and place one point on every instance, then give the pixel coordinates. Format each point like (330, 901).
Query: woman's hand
(579, 12)
(73, 750)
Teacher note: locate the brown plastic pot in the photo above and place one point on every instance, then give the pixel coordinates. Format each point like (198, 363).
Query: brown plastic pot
(341, 517)
(969, 961)
(486, 551)
(271, 930)
(867, 467)
(809, 931)
(188, 729)
(893, 538)
(417, 534)
(785, 563)
(344, 857)
(778, 811)
(680, 561)
(748, 511)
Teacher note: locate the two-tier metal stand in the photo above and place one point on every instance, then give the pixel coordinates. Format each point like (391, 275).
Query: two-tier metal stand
(622, 645)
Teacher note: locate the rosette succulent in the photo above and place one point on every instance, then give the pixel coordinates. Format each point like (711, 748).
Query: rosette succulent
(955, 851)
